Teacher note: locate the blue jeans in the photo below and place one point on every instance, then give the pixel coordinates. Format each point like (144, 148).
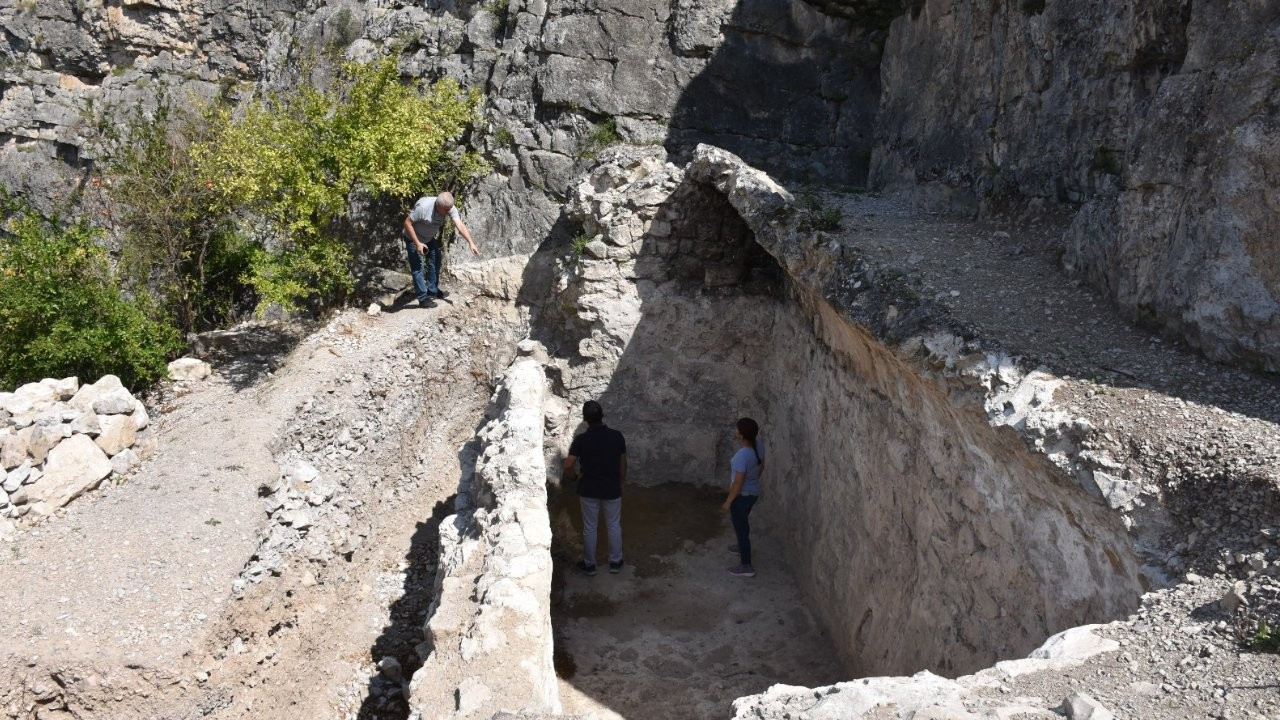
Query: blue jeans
(739, 509)
(429, 285)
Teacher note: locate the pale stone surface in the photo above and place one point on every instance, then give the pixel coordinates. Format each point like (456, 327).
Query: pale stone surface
(117, 433)
(114, 402)
(492, 625)
(189, 369)
(74, 466)
(88, 394)
(124, 462)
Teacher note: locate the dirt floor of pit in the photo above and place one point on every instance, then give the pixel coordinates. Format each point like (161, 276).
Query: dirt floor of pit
(674, 635)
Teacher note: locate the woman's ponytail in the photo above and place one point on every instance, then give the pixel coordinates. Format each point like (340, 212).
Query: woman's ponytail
(749, 429)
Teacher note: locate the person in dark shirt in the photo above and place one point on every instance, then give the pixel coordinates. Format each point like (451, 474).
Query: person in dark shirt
(601, 454)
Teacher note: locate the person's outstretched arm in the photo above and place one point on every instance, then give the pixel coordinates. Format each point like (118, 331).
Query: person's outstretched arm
(462, 229)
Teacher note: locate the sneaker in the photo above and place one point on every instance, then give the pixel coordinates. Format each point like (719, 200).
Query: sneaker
(742, 571)
(587, 570)
(733, 549)
(427, 304)
(615, 567)
(439, 294)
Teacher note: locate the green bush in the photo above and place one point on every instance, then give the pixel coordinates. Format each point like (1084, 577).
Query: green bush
(298, 159)
(61, 310)
(180, 245)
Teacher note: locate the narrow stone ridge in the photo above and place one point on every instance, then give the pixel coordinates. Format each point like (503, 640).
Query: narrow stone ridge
(489, 635)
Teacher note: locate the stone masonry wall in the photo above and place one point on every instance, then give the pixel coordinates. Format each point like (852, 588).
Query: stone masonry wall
(489, 641)
(913, 519)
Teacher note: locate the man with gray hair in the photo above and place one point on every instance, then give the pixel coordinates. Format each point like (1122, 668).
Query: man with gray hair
(422, 237)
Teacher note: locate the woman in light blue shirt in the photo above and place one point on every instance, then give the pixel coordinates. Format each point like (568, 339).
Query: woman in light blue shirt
(744, 487)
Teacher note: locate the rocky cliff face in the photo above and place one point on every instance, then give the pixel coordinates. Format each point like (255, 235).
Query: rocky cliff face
(1151, 123)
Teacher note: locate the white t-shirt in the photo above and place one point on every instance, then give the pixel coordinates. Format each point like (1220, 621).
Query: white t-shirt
(425, 221)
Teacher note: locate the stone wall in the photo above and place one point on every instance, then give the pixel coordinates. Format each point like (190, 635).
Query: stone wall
(59, 439)
(914, 519)
(1153, 122)
(489, 642)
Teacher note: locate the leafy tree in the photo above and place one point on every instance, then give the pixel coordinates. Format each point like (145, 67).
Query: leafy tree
(298, 159)
(61, 310)
(179, 242)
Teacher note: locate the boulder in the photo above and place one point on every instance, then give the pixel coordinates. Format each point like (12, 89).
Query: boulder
(19, 496)
(40, 440)
(189, 368)
(140, 416)
(65, 389)
(118, 433)
(86, 424)
(146, 444)
(85, 397)
(16, 477)
(123, 462)
(30, 397)
(116, 402)
(75, 466)
(13, 451)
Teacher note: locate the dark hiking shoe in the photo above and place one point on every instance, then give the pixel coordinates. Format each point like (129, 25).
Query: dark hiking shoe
(439, 294)
(427, 304)
(742, 571)
(615, 567)
(586, 569)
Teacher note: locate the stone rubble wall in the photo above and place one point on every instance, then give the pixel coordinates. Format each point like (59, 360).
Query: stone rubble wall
(991, 514)
(59, 439)
(488, 644)
(926, 695)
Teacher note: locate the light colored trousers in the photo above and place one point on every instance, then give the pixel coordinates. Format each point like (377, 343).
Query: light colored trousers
(613, 524)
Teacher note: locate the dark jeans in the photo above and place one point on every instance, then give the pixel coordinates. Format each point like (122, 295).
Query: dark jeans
(739, 509)
(428, 285)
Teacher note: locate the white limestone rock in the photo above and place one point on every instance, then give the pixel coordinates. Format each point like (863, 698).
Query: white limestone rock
(115, 402)
(140, 416)
(88, 394)
(13, 451)
(189, 368)
(65, 389)
(30, 397)
(74, 466)
(124, 462)
(40, 440)
(86, 424)
(1080, 706)
(118, 433)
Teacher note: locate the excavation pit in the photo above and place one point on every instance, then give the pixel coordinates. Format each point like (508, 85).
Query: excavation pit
(674, 635)
(906, 527)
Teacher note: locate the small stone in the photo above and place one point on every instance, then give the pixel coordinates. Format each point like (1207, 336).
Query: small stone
(86, 424)
(1080, 706)
(1234, 598)
(17, 476)
(140, 417)
(308, 579)
(123, 462)
(374, 310)
(391, 668)
(189, 368)
(298, 519)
